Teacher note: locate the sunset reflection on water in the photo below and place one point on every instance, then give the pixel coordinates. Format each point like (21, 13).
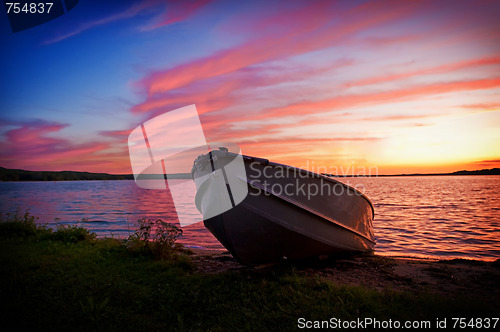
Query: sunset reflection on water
(433, 216)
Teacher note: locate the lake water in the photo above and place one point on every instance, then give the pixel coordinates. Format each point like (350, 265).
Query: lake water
(434, 216)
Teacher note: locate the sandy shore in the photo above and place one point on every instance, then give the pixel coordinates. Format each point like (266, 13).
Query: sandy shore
(457, 277)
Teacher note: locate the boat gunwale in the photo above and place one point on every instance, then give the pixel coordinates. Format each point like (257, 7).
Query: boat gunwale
(264, 161)
(321, 176)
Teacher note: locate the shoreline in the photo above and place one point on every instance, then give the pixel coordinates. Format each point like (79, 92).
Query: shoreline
(203, 250)
(21, 175)
(454, 277)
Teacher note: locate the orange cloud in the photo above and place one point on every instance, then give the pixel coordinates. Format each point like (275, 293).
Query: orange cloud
(409, 93)
(482, 107)
(492, 163)
(446, 68)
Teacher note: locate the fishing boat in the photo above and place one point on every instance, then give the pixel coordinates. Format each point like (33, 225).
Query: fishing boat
(272, 212)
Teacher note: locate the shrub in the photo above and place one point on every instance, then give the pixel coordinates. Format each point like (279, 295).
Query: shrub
(25, 226)
(154, 236)
(21, 225)
(73, 234)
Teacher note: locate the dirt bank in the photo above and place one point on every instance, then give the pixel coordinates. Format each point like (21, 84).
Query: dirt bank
(458, 277)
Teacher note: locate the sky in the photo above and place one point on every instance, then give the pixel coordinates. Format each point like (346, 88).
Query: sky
(346, 87)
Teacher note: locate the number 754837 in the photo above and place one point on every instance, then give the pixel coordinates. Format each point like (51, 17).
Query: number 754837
(31, 8)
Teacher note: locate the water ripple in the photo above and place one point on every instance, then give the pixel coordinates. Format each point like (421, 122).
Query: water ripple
(439, 217)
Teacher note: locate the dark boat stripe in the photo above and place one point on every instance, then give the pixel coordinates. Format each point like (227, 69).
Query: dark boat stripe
(228, 187)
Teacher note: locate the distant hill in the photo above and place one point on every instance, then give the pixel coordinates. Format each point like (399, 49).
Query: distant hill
(22, 175)
(491, 171)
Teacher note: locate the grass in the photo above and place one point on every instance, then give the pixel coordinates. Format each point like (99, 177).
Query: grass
(66, 282)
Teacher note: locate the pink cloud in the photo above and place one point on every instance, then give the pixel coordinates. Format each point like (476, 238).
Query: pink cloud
(225, 90)
(28, 134)
(121, 135)
(169, 12)
(177, 11)
(282, 35)
(30, 146)
(132, 11)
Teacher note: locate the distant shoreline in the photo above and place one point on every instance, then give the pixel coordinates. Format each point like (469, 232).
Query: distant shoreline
(16, 175)
(491, 171)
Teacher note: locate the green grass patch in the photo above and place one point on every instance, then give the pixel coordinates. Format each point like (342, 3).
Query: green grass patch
(56, 283)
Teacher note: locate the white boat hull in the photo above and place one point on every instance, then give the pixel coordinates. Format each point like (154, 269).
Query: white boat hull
(288, 213)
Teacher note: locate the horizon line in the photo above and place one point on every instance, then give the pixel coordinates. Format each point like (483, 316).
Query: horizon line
(495, 171)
